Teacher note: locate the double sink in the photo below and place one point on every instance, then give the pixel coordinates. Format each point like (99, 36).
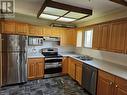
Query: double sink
(84, 58)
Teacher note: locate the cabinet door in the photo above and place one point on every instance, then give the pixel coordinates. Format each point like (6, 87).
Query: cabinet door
(39, 68)
(96, 37)
(22, 28)
(105, 84)
(78, 73)
(56, 32)
(65, 65)
(117, 36)
(47, 31)
(126, 39)
(120, 87)
(8, 27)
(104, 32)
(35, 30)
(31, 69)
(68, 37)
(71, 68)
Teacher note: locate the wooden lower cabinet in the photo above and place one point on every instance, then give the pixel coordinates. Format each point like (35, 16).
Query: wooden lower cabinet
(75, 70)
(78, 72)
(35, 68)
(105, 83)
(120, 86)
(71, 68)
(110, 85)
(65, 65)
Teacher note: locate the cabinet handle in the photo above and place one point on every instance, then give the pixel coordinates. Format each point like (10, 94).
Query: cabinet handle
(110, 83)
(116, 86)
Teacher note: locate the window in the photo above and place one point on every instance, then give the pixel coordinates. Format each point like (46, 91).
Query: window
(88, 38)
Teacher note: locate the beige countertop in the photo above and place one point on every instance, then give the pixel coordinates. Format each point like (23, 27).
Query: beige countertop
(112, 68)
(35, 55)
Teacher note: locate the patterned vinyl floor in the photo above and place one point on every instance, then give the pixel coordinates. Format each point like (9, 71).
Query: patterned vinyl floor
(53, 86)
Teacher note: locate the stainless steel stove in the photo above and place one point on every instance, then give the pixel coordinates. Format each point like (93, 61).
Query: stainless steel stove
(53, 66)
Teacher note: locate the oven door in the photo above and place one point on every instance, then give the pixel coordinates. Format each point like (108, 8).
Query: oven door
(53, 65)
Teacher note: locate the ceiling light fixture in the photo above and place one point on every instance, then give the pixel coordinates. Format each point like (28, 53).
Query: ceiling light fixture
(122, 2)
(62, 12)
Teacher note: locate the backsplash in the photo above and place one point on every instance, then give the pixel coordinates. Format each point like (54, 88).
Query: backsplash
(37, 49)
(117, 58)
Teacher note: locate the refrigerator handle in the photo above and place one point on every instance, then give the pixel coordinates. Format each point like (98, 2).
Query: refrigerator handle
(18, 62)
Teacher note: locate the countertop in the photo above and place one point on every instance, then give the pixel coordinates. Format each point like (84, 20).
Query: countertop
(35, 55)
(112, 68)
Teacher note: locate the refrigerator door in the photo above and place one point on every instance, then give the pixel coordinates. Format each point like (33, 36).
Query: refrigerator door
(11, 68)
(23, 43)
(10, 43)
(23, 67)
(14, 43)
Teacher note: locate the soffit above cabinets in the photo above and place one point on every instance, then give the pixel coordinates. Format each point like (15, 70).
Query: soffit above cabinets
(56, 11)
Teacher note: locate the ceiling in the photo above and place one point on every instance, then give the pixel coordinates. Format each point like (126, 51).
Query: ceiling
(99, 7)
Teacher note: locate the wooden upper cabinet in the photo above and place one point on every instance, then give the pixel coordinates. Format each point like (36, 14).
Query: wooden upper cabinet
(105, 84)
(117, 36)
(47, 31)
(21, 28)
(96, 37)
(120, 86)
(35, 30)
(104, 34)
(68, 37)
(8, 27)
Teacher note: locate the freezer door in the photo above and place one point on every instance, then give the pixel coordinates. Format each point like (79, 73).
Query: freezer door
(23, 67)
(11, 68)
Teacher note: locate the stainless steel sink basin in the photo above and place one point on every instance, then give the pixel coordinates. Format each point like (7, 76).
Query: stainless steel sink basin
(84, 58)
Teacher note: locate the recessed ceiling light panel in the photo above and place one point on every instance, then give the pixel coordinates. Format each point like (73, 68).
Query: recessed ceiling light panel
(63, 19)
(75, 15)
(46, 16)
(54, 11)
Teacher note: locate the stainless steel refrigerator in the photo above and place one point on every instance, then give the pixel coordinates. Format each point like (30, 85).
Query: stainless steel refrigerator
(14, 58)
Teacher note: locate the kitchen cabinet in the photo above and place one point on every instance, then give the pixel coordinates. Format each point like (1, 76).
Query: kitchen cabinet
(71, 68)
(120, 86)
(35, 30)
(75, 70)
(78, 72)
(126, 39)
(47, 31)
(110, 85)
(8, 27)
(68, 37)
(65, 65)
(104, 32)
(21, 28)
(105, 83)
(96, 37)
(35, 68)
(117, 36)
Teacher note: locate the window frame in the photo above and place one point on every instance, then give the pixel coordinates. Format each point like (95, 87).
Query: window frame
(89, 29)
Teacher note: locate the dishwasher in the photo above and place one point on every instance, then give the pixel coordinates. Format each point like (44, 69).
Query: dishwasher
(89, 79)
